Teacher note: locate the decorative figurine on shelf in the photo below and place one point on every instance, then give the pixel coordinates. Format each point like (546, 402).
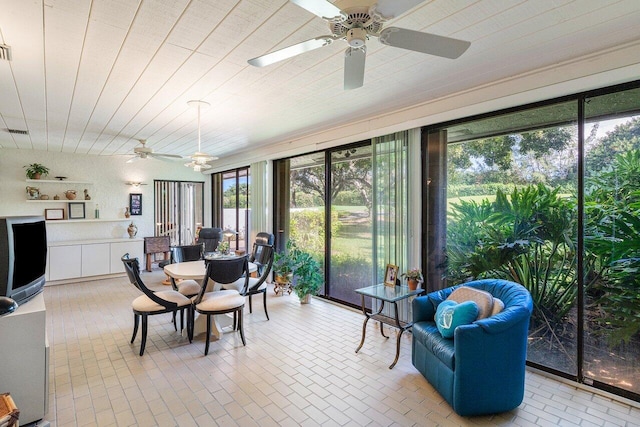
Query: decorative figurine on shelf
(70, 194)
(86, 194)
(56, 197)
(127, 214)
(33, 193)
(132, 230)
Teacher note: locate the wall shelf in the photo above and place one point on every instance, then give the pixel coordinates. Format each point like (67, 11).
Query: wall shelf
(58, 201)
(57, 181)
(69, 221)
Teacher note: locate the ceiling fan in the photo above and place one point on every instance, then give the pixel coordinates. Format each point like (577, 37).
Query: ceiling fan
(355, 25)
(144, 152)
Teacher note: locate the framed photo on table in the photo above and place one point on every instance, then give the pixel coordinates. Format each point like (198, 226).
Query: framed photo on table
(76, 211)
(390, 275)
(135, 203)
(53, 214)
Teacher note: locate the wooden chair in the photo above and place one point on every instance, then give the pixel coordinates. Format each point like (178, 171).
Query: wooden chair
(222, 271)
(262, 256)
(151, 303)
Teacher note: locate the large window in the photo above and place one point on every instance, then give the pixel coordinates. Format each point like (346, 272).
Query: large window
(231, 208)
(549, 197)
(348, 207)
(179, 210)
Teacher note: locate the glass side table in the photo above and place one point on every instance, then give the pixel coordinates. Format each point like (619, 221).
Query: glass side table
(390, 294)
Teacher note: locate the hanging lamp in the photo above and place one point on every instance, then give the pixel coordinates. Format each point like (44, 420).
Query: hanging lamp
(199, 159)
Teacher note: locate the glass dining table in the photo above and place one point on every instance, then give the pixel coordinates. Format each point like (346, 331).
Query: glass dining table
(196, 270)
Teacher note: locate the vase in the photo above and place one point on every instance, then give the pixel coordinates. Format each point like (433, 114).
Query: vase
(132, 230)
(413, 284)
(127, 214)
(305, 299)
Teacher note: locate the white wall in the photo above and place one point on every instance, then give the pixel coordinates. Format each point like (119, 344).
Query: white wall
(613, 66)
(108, 175)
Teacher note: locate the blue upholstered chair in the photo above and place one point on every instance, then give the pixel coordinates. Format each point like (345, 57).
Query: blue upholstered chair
(481, 370)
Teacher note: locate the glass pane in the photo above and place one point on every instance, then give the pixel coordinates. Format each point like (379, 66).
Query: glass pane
(235, 204)
(512, 214)
(351, 261)
(307, 206)
(612, 240)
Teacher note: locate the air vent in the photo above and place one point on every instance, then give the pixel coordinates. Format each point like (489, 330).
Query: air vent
(5, 52)
(18, 131)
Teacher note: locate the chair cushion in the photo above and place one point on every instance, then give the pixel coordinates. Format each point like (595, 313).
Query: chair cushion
(145, 304)
(483, 299)
(189, 287)
(450, 315)
(238, 284)
(498, 306)
(220, 301)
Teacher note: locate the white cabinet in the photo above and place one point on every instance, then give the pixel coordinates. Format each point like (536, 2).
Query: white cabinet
(135, 249)
(95, 259)
(78, 259)
(65, 262)
(24, 371)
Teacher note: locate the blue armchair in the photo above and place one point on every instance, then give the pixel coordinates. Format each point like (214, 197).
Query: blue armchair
(481, 370)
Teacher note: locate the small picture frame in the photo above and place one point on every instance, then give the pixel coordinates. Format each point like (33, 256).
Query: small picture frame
(53, 214)
(390, 275)
(135, 203)
(76, 210)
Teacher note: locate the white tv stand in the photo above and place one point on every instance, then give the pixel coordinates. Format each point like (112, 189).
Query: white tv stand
(24, 359)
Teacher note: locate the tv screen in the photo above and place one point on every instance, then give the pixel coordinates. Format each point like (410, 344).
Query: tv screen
(23, 256)
(30, 253)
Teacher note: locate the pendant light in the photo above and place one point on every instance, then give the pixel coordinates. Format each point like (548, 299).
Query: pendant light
(199, 159)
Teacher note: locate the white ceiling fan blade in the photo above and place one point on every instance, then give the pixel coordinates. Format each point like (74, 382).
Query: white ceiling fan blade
(164, 157)
(291, 51)
(175, 156)
(354, 67)
(321, 8)
(133, 159)
(424, 42)
(390, 9)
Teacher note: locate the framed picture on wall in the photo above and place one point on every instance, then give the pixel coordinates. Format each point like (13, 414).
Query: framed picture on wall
(135, 203)
(76, 211)
(53, 214)
(390, 275)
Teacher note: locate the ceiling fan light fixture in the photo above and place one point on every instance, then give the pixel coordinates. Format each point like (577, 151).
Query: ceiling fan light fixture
(199, 159)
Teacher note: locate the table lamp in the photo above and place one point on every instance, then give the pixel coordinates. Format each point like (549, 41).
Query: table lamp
(228, 234)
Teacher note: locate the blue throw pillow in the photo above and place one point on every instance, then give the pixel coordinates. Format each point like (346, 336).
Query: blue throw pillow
(450, 315)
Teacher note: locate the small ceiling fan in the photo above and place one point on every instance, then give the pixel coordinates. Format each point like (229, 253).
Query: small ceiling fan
(355, 25)
(144, 152)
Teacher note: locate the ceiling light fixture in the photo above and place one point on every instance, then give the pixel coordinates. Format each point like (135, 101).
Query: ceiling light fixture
(199, 159)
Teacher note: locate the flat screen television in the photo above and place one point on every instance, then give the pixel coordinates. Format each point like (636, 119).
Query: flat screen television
(23, 256)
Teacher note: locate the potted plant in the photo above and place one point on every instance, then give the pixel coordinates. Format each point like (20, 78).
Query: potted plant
(36, 171)
(308, 275)
(414, 276)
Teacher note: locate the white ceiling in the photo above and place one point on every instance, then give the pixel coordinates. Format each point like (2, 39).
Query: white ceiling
(91, 76)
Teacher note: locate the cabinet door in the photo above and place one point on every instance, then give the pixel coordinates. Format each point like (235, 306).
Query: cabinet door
(95, 259)
(65, 262)
(135, 249)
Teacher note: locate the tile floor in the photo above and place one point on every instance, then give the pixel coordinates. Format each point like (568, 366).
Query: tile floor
(298, 369)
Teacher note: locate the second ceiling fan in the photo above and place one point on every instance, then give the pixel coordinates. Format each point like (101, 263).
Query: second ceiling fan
(355, 25)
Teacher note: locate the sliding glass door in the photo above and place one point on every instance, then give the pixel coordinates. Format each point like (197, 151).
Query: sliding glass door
(179, 210)
(351, 212)
(549, 197)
